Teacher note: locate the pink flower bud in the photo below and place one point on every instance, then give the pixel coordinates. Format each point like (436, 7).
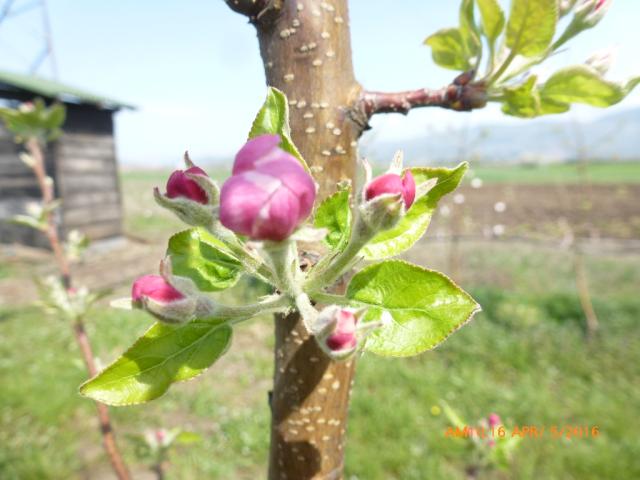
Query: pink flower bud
(155, 288)
(180, 185)
(269, 194)
(390, 183)
(343, 336)
(161, 436)
(494, 420)
(590, 12)
(168, 304)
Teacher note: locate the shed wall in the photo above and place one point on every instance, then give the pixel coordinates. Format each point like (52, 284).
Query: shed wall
(18, 187)
(83, 165)
(87, 173)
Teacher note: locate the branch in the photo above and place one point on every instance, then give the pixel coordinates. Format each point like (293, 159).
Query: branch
(462, 95)
(46, 188)
(256, 10)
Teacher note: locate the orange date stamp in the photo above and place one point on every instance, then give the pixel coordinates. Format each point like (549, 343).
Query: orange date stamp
(536, 432)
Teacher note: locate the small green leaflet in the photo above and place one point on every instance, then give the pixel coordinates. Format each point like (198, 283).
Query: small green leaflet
(469, 32)
(334, 214)
(576, 84)
(583, 84)
(448, 49)
(425, 306)
(413, 226)
(493, 20)
(162, 356)
(273, 118)
(531, 26)
(197, 254)
(525, 101)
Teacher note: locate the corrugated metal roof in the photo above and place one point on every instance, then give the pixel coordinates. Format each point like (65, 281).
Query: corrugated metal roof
(10, 81)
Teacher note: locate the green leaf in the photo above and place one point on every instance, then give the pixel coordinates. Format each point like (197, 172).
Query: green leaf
(273, 118)
(531, 26)
(522, 100)
(525, 101)
(38, 121)
(28, 221)
(197, 254)
(493, 20)
(469, 31)
(411, 228)
(448, 49)
(425, 307)
(162, 356)
(334, 214)
(583, 84)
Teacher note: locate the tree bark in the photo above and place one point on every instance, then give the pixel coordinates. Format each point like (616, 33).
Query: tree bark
(306, 51)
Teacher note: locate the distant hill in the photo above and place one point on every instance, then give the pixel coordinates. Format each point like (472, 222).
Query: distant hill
(614, 136)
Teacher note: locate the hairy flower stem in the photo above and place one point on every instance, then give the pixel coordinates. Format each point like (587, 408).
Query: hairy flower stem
(341, 263)
(255, 266)
(274, 304)
(82, 339)
(283, 257)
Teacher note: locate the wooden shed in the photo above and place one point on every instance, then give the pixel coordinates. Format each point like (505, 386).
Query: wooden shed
(82, 163)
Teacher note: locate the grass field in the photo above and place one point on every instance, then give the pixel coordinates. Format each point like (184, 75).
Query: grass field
(525, 357)
(596, 172)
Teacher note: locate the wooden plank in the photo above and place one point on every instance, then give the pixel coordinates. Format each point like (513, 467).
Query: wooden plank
(7, 146)
(78, 164)
(101, 230)
(10, 157)
(86, 140)
(80, 182)
(91, 198)
(85, 151)
(90, 214)
(26, 181)
(15, 169)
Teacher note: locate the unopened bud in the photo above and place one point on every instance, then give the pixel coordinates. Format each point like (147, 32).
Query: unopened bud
(156, 295)
(602, 60)
(589, 12)
(191, 195)
(340, 333)
(494, 420)
(269, 195)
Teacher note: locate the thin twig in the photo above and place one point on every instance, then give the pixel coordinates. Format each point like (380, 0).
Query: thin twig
(461, 95)
(46, 188)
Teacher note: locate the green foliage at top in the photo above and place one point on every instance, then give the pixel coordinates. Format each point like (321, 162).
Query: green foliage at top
(531, 26)
(493, 20)
(516, 46)
(34, 120)
(457, 48)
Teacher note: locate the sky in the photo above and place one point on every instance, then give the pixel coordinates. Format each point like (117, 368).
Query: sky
(193, 69)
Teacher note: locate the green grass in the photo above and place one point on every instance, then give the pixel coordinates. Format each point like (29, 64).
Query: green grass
(524, 357)
(597, 172)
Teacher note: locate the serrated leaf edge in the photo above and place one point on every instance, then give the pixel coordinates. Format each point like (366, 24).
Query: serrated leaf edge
(477, 309)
